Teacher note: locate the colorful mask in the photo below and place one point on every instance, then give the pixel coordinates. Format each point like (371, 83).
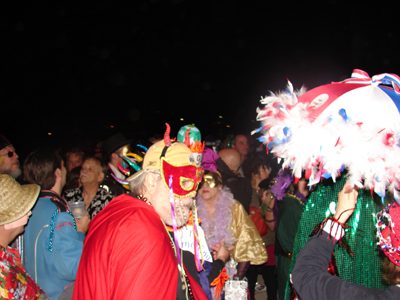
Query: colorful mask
(175, 159)
(212, 179)
(185, 178)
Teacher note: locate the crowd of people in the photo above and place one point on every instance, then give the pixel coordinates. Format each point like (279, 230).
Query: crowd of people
(64, 259)
(173, 219)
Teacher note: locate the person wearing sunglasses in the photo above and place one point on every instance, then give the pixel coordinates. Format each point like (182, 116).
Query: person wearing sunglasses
(9, 163)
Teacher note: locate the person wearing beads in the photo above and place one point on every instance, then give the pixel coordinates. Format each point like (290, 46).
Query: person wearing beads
(128, 253)
(289, 214)
(53, 238)
(16, 202)
(310, 277)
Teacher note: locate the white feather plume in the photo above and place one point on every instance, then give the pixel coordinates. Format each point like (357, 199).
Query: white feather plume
(329, 144)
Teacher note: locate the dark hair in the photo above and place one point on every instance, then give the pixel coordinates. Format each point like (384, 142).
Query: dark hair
(390, 272)
(236, 135)
(76, 151)
(252, 166)
(40, 167)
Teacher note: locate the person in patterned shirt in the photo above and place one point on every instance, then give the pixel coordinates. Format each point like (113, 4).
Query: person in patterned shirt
(16, 202)
(94, 196)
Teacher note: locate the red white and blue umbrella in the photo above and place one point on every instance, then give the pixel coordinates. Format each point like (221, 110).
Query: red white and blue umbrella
(353, 124)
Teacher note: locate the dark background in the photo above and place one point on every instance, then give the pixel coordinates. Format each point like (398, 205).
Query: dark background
(83, 71)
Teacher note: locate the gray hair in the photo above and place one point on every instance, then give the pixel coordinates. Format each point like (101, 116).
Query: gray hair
(136, 185)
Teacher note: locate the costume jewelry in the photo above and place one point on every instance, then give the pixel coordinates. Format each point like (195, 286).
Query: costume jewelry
(181, 176)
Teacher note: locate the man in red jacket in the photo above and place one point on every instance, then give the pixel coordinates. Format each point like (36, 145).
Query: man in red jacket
(128, 253)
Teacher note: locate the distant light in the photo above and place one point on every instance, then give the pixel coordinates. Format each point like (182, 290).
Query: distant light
(181, 119)
(220, 117)
(49, 133)
(112, 126)
(228, 126)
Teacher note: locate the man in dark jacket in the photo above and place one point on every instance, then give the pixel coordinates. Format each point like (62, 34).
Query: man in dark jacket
(228, 164)
(113, 149)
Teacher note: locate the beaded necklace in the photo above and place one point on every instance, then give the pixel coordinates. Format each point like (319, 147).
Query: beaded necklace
(295, 197)
(62, 206)
(184, 277)
(144, 199)
(52, 226)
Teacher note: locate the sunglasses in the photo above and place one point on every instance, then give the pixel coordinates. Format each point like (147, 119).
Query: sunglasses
(9, 154)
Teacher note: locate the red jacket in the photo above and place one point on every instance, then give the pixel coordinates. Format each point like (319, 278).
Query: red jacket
(127, 254)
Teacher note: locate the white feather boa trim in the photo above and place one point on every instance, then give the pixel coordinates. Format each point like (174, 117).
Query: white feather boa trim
(325, 147)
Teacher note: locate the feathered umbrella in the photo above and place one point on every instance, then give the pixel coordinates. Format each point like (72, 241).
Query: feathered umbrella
(353, 124)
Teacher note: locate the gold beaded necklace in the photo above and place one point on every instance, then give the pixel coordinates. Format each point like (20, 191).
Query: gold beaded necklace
(295, 197)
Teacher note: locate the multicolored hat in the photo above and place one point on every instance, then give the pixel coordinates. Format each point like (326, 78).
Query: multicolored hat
(353, 124)
(173, 159)
(388, 232)
(194, 134)
(190, 135)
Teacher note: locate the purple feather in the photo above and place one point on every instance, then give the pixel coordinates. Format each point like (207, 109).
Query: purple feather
(209, 161)
(283, 182)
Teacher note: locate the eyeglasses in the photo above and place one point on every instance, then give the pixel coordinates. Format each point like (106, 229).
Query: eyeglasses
(9, 154)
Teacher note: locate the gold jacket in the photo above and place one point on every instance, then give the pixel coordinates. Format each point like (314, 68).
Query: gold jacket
(249, 245)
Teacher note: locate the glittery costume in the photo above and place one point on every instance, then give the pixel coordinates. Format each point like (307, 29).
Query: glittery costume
(244, 235)
(313, 282)
(365, 267)
(128, 255)
(58, 248)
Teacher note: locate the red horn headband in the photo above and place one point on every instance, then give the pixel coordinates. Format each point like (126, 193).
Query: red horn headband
(167, 139)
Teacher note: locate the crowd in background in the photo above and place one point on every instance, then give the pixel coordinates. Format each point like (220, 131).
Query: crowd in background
(66, 178)
(249, 218)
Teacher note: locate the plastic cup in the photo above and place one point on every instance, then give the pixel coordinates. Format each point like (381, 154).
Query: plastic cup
(78, 209)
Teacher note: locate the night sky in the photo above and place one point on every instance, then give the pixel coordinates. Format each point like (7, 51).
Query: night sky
(82, 71)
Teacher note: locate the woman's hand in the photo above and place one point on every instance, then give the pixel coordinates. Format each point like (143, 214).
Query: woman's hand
(221, 252)
(268, 198)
